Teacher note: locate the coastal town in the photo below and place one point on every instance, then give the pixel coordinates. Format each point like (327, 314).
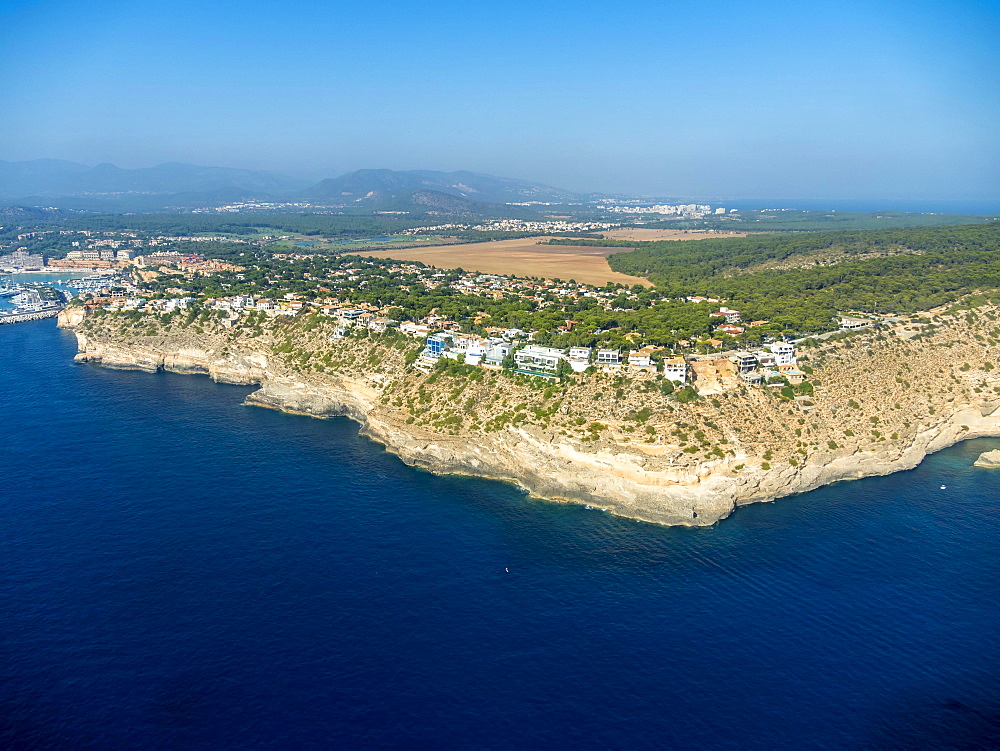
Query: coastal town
(721, 372)
(718, 352)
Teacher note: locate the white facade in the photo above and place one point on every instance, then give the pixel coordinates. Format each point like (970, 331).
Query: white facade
(848, 324)
(675, 369)
(579, 358)
(534, 357)
(496, 354)
(641, 358)
(784, 353)
(609, 357)
(474, 354)
(639, 361)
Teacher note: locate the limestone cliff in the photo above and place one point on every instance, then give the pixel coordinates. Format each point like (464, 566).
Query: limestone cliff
(883, 401)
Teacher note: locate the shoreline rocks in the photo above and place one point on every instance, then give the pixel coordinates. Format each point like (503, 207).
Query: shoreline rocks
(988, 460)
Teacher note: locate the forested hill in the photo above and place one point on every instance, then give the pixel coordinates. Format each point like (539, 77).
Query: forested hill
(803, 280)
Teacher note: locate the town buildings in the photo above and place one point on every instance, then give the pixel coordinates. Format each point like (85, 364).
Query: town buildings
(21, 260)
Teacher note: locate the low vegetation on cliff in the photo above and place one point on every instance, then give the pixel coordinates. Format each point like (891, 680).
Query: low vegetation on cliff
(871, 391)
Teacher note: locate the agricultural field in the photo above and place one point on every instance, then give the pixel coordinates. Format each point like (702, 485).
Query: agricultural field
(645, 234)
(522, 257)
(306, 243)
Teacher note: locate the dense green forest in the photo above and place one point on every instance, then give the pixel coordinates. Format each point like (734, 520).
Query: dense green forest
(802, 280)
(818, 221)
(381, 282)
(327, 233)
(327, 225)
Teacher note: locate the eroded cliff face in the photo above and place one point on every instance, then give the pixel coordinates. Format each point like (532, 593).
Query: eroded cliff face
(852, 428)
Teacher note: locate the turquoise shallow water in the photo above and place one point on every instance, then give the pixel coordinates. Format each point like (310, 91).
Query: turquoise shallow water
(181, 571)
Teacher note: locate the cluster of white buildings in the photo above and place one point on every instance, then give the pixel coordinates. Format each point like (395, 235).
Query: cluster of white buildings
(518, 225)
(102, 254)
(772, 362)
(686, 210)
(255, 207)
(21, 260)
(545, 362)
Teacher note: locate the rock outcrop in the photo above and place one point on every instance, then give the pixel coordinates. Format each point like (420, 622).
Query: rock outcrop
(989, 460)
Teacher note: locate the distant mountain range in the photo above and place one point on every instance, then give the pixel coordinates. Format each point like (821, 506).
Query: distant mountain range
(373, 185)
(175, 186)
(54, 177)
(24, 213)
(437, 203)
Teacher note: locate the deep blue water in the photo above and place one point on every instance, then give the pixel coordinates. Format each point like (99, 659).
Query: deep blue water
(181, 571)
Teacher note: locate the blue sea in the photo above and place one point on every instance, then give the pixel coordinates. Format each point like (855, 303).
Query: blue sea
(179, 571)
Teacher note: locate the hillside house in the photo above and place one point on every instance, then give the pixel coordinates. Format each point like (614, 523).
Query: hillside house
(675, 369)
(641, 358)
(496, 354)
(436, 346)
(731, 316)
(535, 360)
(474, 353)
(416, 330)
(579, 358)
(848, 323)
(744, 361)
(784, 353)
(794, 375)
(609, 357)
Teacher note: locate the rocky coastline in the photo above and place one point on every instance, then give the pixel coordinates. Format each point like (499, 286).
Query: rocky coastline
(772, 448)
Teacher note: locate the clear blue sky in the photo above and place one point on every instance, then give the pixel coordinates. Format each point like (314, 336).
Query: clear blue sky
(754, 99)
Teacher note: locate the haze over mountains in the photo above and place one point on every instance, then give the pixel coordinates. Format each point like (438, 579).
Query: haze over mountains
(52, 182)
(377, 184)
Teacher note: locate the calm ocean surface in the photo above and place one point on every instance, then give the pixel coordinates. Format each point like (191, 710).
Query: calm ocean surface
(180, 571)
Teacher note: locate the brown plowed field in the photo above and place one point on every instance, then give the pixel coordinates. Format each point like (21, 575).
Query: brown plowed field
(523, 257)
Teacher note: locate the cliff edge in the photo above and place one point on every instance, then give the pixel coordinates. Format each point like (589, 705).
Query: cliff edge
(883, 401)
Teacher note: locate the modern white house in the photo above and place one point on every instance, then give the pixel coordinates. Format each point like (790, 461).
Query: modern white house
(579, 358)
(675, 369)
(474, 354)
(496, 354)
(784, 353)
(535, 360)
(848, 324)
(642, 357)
(609, 357)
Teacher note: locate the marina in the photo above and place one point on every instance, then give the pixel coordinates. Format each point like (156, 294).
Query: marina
(32, 303)
(22, 301)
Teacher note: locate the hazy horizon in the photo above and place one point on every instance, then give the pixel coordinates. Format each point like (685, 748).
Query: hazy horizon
(861, 101)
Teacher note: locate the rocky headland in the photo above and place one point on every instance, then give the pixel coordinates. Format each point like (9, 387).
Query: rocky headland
(988, 460)
(883, 400)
